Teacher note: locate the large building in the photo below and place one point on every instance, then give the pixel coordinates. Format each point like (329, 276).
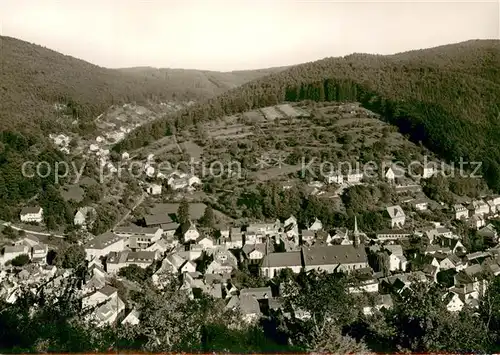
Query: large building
(273, 263)
(31, 214)
(335, 258)
(345, 258)
(103, 244)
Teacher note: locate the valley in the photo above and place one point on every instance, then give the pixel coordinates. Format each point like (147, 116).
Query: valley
(315, 208)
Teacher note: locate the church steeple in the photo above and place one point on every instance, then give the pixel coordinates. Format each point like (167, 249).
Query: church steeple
(356, 234)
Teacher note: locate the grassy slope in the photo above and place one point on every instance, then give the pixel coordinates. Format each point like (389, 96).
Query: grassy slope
(33, 78)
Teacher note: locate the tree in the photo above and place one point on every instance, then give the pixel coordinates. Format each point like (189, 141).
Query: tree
(133, 273)
(328, 339)
(208, 219)
(20, 260)
(183, 212)
(9, 232)
(70, 256)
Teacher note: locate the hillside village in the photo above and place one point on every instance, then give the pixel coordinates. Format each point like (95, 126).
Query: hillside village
(206, 258)
(206, 250)
(239, 238)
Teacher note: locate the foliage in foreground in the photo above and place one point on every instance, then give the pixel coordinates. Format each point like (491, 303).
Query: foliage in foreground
(171, 321)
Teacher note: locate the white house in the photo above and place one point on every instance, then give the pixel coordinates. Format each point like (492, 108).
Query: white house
(205, 241)
(189, 232)
(132, 318)
(149, 170)
(85, 216)
(32, 214)
(420, 204)
(99, 296)
(139, 237)
(453, 302)
(334, 178)
(354, 177)
(397, 216)
(390, 175)
(103, 244)
(154, 189)
(188, 266)
(397, 261)
(452, 261)
(255, 252)
(460, 211)
(109, 310)
(316, 225)
(39, 253)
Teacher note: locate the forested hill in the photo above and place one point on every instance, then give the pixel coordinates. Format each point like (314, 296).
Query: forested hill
(34, 78)
(446, 97)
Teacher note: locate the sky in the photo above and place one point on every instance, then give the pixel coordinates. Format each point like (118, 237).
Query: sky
(235, 34)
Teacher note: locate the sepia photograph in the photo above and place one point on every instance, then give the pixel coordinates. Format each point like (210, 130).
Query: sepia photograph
(308, 177)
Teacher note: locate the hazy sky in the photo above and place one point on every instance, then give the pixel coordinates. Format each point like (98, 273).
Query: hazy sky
(234, 34)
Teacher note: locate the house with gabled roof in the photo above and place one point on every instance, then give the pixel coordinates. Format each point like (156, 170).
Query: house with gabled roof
(472, 281)
(255, 252)
(169, 229)
(477, 221)
(189, 232)
(489, 232)
(308, 236)
(335, 258)
(205, 241)
(479, 207)
(452, 261)
(461, 212)
(85, 217)
(260, 293)
(453, 302)
(397, 261)
(29, 240)
(117, 260)
(363, 281)
(273, 263)
(247, 305)
(132, 318)
(99, 296)
(397, 216)
(103, 244)
(316, 225)
(235, 240)
(31, 214)
(108, 313)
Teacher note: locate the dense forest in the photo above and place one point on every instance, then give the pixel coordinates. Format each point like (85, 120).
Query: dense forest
(34, 78)
(445, 97)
